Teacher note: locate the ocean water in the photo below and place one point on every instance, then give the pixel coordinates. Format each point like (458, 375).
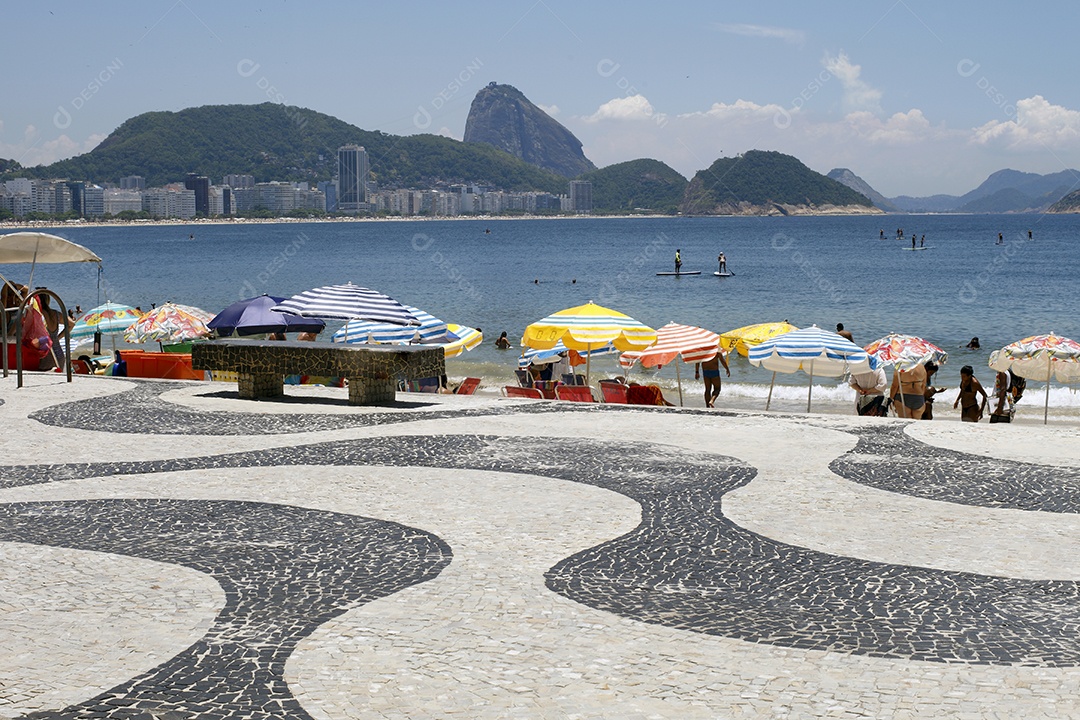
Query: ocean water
(500, 274)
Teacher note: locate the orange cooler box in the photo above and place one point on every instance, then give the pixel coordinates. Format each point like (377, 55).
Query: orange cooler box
(174, 366)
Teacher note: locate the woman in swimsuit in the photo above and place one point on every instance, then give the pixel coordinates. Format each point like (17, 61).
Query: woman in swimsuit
(909, 403)
(968, 398)
(1003, 410)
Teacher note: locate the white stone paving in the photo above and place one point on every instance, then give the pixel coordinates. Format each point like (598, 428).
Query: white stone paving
(486, 638)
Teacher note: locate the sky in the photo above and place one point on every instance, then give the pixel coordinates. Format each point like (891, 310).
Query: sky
(916, 97)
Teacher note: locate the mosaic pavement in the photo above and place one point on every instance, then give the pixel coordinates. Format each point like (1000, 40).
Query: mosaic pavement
(496, 558)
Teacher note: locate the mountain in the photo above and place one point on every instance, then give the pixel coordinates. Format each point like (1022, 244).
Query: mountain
(1004, 191)
(1068, 204)
(501, 116)
(635, 185)
(7, 165)
(856, 183)
(277, 142)
(766, 183)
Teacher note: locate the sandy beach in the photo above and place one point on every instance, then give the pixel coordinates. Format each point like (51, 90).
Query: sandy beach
(166, 545)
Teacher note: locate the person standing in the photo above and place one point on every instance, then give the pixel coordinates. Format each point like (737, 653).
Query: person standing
(710, 369)
(908, 392)
(928, 396)
(1003, 407)
(912, 241)
(843, 333)
(968, 397)
(922, 241)
(503, 343)
(723, 262)
(678, 260)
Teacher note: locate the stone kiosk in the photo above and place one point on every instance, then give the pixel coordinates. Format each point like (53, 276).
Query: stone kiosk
(371, 370)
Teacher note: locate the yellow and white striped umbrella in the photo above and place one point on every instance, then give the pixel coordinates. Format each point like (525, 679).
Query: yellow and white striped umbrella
(466, 339)
(587, 327)
(744, 338)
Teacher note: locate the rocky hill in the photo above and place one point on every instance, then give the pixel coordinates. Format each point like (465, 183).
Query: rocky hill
(1005, 191)
(768, 183)
(856, 183)
(1068, 204)
(276, 142)
(501, 116)
(637, 186)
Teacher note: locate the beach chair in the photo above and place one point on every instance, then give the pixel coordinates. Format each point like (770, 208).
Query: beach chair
(81, 367)
(575, 393)
(572, 379)
(646, 395)
(468, 386)
(524, 378)
(519, 392)
(614, 392)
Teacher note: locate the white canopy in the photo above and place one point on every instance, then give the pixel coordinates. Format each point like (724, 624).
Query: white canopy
(39, 247)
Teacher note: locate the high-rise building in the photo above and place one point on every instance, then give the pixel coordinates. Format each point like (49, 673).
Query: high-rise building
(581, 196)
(329, 190)
(239, 181)
(353, 174)
(93, 201)
(133, 182)
(118, 201)
(201, 185)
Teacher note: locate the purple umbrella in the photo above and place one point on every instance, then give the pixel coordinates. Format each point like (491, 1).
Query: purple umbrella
(253, 316)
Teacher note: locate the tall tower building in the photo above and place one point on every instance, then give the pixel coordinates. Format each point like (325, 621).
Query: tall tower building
(353, 174)
(201, 185)
(581, 196)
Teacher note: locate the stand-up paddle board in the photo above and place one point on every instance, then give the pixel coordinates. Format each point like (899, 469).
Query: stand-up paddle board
(928, 247)
(677, 274)
(723, 274)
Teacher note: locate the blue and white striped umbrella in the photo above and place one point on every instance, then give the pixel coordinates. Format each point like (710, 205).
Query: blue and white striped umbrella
(533, 356)
(812, 350)
(430, 329)
(347, 302)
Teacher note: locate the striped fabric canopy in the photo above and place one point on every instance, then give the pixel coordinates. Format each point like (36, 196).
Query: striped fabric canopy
(348, 302)
(812, 350)
(105, 319)
(744, 338)
(905, 351)
(533, 356)
(586, 327)
(694, 344)
(1040, 357)
(430, 329)
(461, 338)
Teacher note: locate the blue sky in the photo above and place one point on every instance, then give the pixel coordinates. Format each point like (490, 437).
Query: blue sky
(916, 97)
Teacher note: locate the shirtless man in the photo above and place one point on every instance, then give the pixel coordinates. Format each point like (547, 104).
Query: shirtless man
(846, 334)
(913, 400)
(711, 370)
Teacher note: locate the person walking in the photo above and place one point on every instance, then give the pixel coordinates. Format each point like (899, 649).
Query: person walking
(710, 369)
(968, 397)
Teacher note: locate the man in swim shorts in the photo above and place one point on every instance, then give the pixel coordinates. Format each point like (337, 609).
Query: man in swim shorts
(710, 370)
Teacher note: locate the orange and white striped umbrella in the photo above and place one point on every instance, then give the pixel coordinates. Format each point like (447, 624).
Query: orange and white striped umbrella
(693, 343)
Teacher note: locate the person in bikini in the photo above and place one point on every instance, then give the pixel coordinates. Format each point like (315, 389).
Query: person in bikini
(908, 392)
(710, 369)
(968, 398)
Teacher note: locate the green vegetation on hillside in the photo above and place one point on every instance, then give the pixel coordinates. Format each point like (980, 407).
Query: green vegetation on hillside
(277, 142)
(762, 178)
(637, 184)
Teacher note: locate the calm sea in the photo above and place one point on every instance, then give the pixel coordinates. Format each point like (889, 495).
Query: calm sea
(503, 274)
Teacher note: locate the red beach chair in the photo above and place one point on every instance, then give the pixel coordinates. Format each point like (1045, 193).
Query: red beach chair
(575, 393)
(468, 386)
(614, 392)
(512, 391)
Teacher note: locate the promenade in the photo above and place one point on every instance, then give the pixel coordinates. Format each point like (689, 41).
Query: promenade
(168, 550)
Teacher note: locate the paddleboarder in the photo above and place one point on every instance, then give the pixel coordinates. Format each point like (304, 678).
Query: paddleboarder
(723, 262)
(678, 260)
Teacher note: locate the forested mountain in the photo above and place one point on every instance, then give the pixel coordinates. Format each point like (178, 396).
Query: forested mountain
(637, 185)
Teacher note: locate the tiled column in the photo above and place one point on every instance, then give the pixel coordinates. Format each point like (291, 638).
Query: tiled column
(371, 391)
(260, 385)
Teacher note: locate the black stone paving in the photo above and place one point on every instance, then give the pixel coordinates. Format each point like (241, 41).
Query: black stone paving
(284, 570)
(888, 458)
(687, 566)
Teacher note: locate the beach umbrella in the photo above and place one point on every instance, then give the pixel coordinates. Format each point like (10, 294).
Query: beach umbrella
(742, 339)
(107, 319)
(170, 322)
(430, 329)
(1040, 357)
(588, 327)
(253, 316)
(347, 302)
(812, 350)
(905, 352)
(533, 356)
(693, 344)
(461, 338)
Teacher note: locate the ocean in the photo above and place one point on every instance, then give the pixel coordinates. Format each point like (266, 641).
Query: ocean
(500, 275)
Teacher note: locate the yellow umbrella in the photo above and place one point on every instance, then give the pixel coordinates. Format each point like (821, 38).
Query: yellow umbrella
(465, 338)
(742, 339)
(588, 327)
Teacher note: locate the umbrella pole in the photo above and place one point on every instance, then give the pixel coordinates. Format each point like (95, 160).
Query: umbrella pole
(810, 390)
(588, 363)
(1046, 405)
(773, 382)
(678, 378)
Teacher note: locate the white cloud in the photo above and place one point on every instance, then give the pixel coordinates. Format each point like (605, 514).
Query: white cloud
(551, 110)
(858, 95)
(32, 151)
(447, 133)
(901, 128)
(795, 37)
(633, 107)
(740, 109)
(1035, 124)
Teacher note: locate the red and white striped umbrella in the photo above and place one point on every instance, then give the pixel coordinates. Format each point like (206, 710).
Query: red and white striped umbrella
(692, 343)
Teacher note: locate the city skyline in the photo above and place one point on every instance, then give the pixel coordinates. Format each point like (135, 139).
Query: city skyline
(915, 97)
